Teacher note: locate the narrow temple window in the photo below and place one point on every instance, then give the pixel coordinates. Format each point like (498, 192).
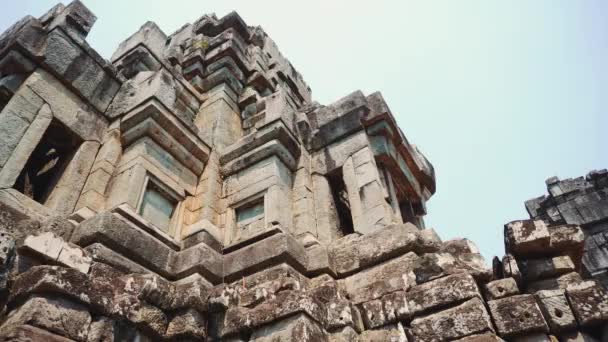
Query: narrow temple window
(47, 162)
(385, 183)
(340, 197)
(409, 213)
(8, 86)
(250, 213)
(157, 206)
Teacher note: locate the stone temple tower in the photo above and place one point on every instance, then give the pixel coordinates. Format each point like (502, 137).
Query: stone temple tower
(190, 189)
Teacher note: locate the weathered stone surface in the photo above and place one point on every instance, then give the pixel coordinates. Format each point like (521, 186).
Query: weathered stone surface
(500, 288)
(510, 268)
(27, 333)
(396, 307)
(279, 218)
(481, 338)
(238, 319)
(560, 282)
(187, 324)
(392, 333)
(441, 292)
(373, 314)
(465, 319)
(346, 334)
(527, 238)
(536, 337)
(350, 255)
(534, 269)
(298, 328)
(517, 315)
(577, 337)
(589, 303)
(7, 248)
(55, 315)
(556, 310)
(435, 265)
(390, 276)
(273, 250)
(459, 246)
(340, 314)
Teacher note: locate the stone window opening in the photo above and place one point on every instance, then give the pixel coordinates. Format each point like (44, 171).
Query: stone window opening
(48, 161)
(389, 191)
(250, 212)
(409, 213)
(159, 205)
(341, 201)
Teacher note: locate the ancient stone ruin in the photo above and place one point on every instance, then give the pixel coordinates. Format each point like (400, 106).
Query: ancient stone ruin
(190, 189)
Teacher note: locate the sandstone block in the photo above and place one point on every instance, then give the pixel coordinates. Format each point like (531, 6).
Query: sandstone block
(429, 241)
(27, 333)
(577, 336)
(589, 303)
(510, 268)
(566, 237)
(346, 334)
(389, 333)
(187, 324)
(481, 338)
(435, 265)
(75, 257)
(297, 328)
(534, 269)
(7, 248)
(463, 320)
(556, 310)
(55, 315)
(527, 238)
(350, 255)
(396, 307)
(373, 283)
(284, 304)
(45, 244)
(536, 337)
(500, 288)
(517, 315)
(272, 250)
(560, 282)
(340, 314)
(441, 292)
(459, 246)
(373, 314)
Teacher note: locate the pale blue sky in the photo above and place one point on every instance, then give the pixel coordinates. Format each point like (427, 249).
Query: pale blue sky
(499, 95)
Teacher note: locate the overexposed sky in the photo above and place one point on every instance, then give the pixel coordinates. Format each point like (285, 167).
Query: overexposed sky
(499, 95)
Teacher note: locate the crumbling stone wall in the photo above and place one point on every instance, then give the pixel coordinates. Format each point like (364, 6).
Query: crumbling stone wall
(202, 195)
(582, 201)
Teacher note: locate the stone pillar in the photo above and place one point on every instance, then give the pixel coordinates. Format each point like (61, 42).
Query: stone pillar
(303, 202)
(207, 203)
(67, 191)
(325, 210)
(94, 192)
(31, 138)
(369, 208)
(218, 119)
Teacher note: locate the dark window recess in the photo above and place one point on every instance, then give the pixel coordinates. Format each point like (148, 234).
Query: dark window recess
(250, 211)
(47, 163)
(5, 96)
(157, 206)
(412, 212)
(340, 197)
(407, 212)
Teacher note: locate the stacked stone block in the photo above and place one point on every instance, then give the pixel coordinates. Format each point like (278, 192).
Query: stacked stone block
(581, 201)
(191, 190)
